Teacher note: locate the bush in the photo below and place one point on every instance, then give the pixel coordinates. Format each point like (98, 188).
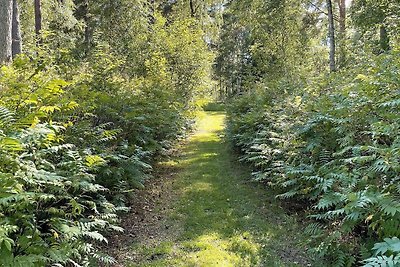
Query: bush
(214, 106)
(337, 150)
(73, 146)
(51, 208)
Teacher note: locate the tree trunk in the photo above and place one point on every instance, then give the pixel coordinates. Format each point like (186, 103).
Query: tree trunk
(152, 18)
(342, 31)
(331, 33)
(16, 31)
(384, 40)
(192, 9)
(342, 15)
(87, 26)
(38, 18)
(5, 31)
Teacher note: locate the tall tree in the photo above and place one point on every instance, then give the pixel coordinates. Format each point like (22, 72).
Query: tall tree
(38, 17)
(16, 31)
(192, 9)
(384, 40)
(342, 32)
(87, 24)
(331, 36)
(5, 30)
(378, 20)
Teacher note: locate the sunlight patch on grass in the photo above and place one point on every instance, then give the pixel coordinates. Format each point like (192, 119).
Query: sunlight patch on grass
(212, 122)
(224, 221)
(207, 250)
(199, 186)
(208, 155)
(168, 163)
(212, 250)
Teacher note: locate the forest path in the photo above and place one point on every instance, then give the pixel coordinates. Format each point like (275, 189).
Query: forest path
(206, 212)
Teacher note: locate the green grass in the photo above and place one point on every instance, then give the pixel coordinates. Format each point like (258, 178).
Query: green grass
(214, 106)
(225, 219)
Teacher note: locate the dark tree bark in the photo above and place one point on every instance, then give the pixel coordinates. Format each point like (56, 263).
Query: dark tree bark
(38, 18)
(151, 12)
(384, 40)
(82, 12)
(192, 9)
(331, 35)
(342, 32)
(5, 31)
(342, 15)
(87, 26)
(87, 29)
(16, 31)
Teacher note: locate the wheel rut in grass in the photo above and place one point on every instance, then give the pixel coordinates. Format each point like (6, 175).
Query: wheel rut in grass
(203, 210)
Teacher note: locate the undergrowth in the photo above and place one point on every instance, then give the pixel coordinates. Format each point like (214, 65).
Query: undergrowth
(335, 148)
(77, 136)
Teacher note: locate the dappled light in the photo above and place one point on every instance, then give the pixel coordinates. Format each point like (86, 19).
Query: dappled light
(219, 216)
(215, 133)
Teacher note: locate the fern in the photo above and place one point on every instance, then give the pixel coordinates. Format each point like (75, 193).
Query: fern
(6, 117)
(389, 246)
(338, 153)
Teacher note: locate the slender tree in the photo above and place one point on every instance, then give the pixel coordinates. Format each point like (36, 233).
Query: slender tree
(38, 18)
(377, 15)
(83, 12)
(192, 9)
(342, 32)
(384, 41)
(331, 36)
(5, 30)
(16, 31)
(86, 18)
(152, 10)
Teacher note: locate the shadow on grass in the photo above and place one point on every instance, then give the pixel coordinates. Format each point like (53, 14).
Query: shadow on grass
(225, 220)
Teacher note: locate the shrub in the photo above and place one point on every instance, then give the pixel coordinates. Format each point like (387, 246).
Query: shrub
(337, 151)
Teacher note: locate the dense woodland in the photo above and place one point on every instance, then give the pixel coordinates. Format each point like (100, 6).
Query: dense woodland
(100, 89)
(316, 112)
(93, 93)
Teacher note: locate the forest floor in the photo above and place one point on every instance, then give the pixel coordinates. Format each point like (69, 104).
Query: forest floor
(203, 210)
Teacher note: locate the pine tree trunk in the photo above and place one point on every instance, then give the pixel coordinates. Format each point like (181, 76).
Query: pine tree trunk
(342, 32)
(384, 40)
(38, 18)
(152, 19)
(16, 31)
(192, 10)
(331, 33)
(5, 30)
(87, 26)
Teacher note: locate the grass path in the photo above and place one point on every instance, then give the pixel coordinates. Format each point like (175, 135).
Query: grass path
(217, 217)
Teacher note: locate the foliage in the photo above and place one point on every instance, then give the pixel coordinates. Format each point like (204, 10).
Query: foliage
(327, 143)
(84, 114)
(220, 219)
(214, 106)
(51, 208)
(386, 253)
(335, 149)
